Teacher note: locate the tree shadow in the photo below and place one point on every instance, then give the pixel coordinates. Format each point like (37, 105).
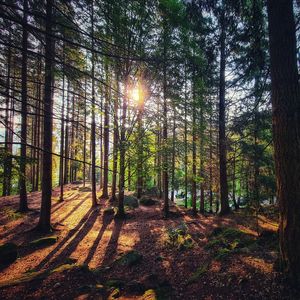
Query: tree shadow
(81, 229)
(112, 245)
(106, 220)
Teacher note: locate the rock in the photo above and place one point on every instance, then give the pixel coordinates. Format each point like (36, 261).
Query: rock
(131, 201)
(130, 258)
(147, 201)
(109, 211)
(8, 253)
(44, 242)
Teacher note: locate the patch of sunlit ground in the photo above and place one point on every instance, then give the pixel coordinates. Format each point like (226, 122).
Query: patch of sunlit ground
(258, 263)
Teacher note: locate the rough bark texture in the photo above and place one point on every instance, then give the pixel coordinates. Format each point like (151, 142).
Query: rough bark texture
(45, 214)
(22, 176)
(286, 128)
(222, 137)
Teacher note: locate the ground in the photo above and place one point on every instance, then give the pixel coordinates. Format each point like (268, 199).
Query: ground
(144, 256)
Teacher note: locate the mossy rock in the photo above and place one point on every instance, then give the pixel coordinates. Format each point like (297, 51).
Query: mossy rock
(44, 242)
(8, 253)
(130, 258)
(147, 201)
(131, 201)
(198, 274)
(149, 295)
(222, 254)
(109, 211)
(84, 189)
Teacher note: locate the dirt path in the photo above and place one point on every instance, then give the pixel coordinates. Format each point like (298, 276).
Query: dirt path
(90, 237)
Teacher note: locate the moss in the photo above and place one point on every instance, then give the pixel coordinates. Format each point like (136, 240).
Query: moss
(44, 242)
(198, 274)
(11, 214)
(147, 201)
(222, 253)
(149, 295)
(130, 258)
(131, 201)
(8, 253)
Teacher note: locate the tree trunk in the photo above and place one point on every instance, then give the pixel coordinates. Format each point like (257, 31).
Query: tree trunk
(222, 120)
(45, 214)
(22, 176)
(62, 136)
(115, 141)
(286, 128)
(93, 123)
(7, 170)
(106, 135)
(173, 155)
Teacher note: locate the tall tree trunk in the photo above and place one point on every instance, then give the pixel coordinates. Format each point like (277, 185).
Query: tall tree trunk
(7, 170)
(106, 134)
(194, 170)
(93, 122)
(84, 133)
(165, 169)
(286, 128)
(185, 147)
(45, 214)
(62, 136)
(121, 211)
(222, 120)
(139, 166)
(22, 176)
(115, 140)
(202, 200)
(66, 173)
(173, 156)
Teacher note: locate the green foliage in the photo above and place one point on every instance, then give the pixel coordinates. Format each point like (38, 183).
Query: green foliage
(179, 238)
(130, 258)
(227, 240)
(198, 274)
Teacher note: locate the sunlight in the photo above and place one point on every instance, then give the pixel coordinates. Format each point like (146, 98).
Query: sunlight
(137, 95)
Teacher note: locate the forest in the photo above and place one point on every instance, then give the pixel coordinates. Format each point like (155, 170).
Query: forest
(149, 149)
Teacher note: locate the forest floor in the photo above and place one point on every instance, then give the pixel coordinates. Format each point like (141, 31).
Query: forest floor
(143, 256)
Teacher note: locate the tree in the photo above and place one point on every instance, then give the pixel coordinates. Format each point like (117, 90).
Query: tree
(45, 213)
(22, 180)
(286, 126)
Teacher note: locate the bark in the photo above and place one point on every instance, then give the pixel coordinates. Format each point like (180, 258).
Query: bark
(22, 176)
(222, 120)
(93, 123)
(121, 211)
(106, 135)
(115, 141)
(62, 136)
(45, 213)
(7, 168)
(173, 156)
(285, 97)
